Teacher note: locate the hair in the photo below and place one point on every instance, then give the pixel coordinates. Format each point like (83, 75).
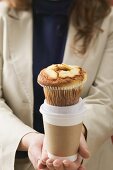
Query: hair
(87, 17)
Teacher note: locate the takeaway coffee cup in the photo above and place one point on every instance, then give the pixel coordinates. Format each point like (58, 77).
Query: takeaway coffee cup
(63, 127)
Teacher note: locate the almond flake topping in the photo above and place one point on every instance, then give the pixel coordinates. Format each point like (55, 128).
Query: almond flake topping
(73, 72)
(51, 73)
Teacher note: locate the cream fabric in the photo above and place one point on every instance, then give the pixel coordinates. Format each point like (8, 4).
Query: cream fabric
(23, 164)
(103, 159)
(16, 90)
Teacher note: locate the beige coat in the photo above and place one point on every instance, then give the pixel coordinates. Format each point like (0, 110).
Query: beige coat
(16, 89)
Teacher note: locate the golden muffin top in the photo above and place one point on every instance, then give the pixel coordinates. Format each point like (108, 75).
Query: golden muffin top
(62, 75)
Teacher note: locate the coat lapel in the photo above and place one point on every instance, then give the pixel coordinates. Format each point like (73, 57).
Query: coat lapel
(70, 57)
(91, 58)
(20, 47)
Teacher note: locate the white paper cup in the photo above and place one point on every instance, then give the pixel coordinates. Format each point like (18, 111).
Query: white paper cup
(62, 129)
(63, 116)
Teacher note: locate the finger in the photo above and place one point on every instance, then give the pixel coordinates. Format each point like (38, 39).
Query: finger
(41, 165)
(58, 165)
(49, 164)
(44, 156)
(69, 165)
(43, 161)
(82, 168)
(34, 154)
(83, 148)
(73, 165)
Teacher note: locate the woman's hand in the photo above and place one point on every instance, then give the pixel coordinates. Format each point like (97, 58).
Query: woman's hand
(35, 150)
(66, 164)
(61, 165)
(34, 143)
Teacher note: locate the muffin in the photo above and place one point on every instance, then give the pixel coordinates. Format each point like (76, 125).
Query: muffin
(62, 84)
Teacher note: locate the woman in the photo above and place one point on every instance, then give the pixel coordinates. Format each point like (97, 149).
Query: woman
(34, 35)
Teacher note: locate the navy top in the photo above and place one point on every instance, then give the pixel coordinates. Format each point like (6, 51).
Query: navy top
(50, 25)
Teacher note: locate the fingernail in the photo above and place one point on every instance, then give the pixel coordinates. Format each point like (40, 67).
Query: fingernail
(56, 165)
(50, 164)
(66, 163)
(51, 160)
(44, 160)
(88, 152)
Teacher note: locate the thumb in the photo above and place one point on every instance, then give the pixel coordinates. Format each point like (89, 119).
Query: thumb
(44, 151)
(34, 154)
(35, 150)
(83, 148)
(44, 156)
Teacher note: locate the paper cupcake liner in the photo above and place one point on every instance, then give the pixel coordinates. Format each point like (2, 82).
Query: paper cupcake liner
(62, 97)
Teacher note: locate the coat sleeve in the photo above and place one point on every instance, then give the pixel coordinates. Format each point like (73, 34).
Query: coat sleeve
(99, 116)
(11, 128)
